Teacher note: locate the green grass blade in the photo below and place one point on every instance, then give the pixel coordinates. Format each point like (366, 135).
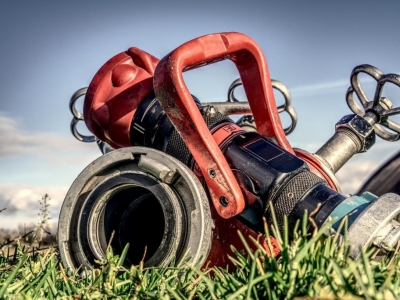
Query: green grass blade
(12, 275)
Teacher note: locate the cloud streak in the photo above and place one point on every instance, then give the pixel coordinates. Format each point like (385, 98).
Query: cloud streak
(341, 85)
(321, 87)
(14, 140)
(58, 149)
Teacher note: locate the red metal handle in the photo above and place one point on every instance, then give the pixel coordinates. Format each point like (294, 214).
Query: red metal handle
(177, 102)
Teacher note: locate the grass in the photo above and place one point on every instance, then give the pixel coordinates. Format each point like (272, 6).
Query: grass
(316, 267)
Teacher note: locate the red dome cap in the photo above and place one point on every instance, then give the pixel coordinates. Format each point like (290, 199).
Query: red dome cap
(114, 94)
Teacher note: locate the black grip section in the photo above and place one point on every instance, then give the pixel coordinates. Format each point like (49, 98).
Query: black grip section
(290, 195)
(176, 146)
(152, 128)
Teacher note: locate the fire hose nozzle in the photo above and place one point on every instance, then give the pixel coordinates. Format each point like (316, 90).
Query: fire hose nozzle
(194, 177)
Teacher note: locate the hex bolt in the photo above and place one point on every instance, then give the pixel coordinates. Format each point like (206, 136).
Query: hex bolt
(209, 110)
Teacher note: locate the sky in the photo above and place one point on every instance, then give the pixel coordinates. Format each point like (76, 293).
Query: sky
(49, 49)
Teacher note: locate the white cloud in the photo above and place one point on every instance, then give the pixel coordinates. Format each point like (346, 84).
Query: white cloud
(57, 149)
(16, 140)
(359, 168)
(22, 206)
(339, 85)
(332, 86)
(354, 174)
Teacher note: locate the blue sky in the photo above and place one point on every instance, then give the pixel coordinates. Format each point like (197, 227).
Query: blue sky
(50, 49)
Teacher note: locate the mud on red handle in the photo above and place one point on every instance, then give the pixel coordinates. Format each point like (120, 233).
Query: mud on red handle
(178, 103)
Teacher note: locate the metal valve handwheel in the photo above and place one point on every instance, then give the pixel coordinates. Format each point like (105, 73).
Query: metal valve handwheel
(287, 106)
(77, 117)
(379, 105)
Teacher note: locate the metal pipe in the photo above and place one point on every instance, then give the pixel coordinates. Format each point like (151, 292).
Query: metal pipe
(339, 149)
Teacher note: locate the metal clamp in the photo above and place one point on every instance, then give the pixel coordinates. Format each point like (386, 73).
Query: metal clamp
(154, 184)
(286, 107)
(380, 106)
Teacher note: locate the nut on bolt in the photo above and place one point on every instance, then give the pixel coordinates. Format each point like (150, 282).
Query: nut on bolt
(209, 111)
(358, 127)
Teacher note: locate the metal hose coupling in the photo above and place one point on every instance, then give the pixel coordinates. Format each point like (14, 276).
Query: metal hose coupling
(371, 221)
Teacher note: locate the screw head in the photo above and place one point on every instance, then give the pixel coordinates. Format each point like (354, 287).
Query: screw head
(224, 201)
(212, 173)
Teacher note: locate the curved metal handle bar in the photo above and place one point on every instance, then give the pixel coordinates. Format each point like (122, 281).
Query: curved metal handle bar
(231, 90)
(177, 102)
(282, 88)
(373, 72)
(352, 104)
(228, 108)
(392, 78)
(371, 105)
(78, 117)
(287, 106)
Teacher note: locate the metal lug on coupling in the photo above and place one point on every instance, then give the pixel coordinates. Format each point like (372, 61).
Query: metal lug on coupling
(388, 236)
(158, 169)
